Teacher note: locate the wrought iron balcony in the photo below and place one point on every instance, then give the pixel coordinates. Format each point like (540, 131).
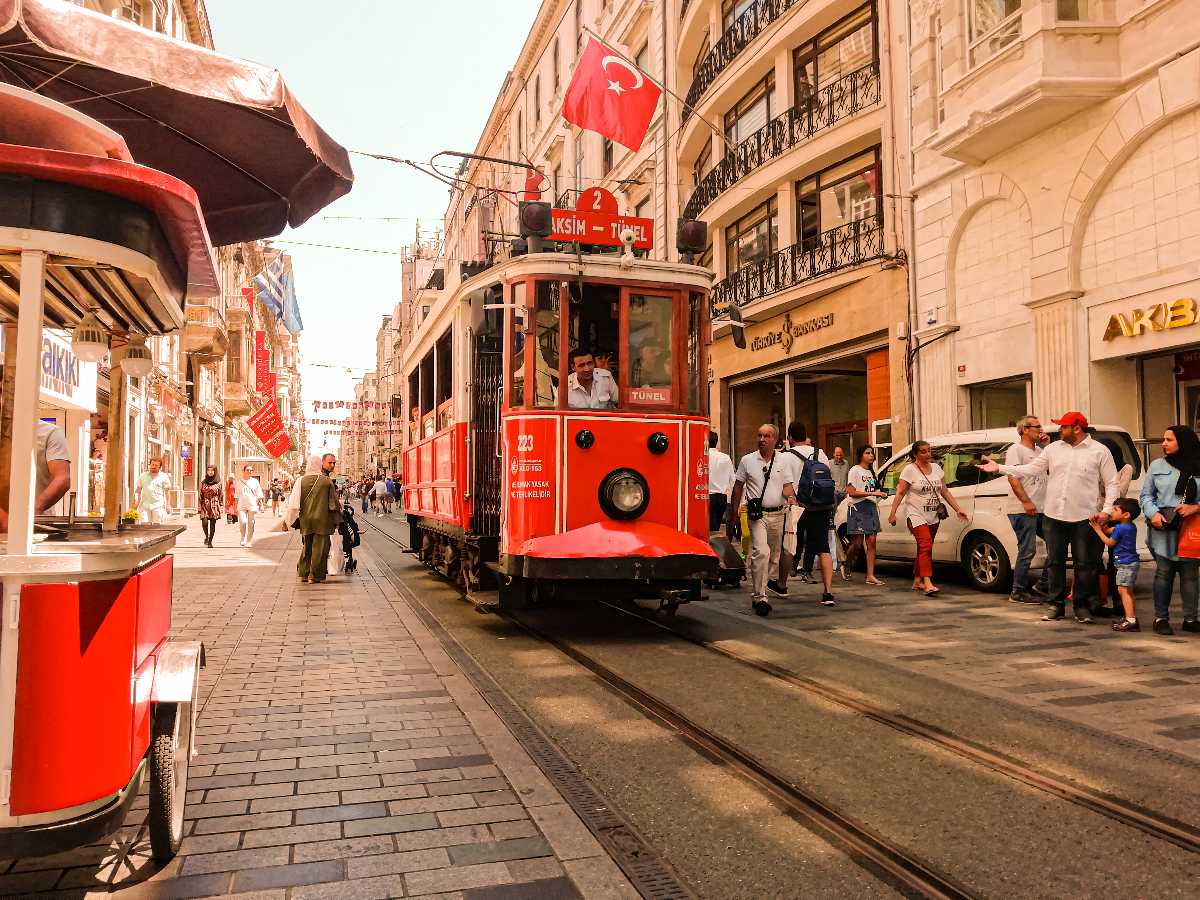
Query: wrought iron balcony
(733, 41)
(833, 103)
(839, 248)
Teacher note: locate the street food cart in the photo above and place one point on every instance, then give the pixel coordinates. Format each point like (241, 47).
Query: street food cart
(95, 699)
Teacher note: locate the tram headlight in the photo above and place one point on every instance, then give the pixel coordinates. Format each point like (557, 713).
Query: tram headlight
(624, 494)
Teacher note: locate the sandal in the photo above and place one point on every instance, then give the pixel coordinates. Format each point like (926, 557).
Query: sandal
(931, 591)
(875, 581)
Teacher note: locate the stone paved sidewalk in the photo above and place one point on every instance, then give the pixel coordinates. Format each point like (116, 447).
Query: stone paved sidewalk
(1141, 686)
(341, 754)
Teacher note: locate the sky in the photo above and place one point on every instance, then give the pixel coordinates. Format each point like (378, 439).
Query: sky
(399, 77)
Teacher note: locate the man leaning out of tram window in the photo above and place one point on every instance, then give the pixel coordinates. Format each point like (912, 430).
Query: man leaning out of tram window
(53, 470)
(588, 386)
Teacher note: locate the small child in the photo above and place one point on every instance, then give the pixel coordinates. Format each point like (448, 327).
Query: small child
(1121, 538)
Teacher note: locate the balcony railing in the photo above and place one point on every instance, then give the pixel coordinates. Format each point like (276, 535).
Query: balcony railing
(836, 101)
(733, 41)
(839, 248)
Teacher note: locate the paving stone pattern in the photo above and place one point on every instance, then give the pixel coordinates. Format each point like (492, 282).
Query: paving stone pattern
(339, 756)
(1141, 686)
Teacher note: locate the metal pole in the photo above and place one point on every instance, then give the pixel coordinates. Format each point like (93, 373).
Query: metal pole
(26, 388)
(115, 452)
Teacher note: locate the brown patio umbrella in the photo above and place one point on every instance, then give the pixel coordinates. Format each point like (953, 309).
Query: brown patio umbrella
(231, 129)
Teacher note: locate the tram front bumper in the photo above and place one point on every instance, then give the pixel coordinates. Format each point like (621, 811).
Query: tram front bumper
(635, 551)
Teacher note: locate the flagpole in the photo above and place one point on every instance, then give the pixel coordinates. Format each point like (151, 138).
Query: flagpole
(666, 90)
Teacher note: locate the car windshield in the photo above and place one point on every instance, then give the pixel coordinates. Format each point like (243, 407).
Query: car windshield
(960, 462)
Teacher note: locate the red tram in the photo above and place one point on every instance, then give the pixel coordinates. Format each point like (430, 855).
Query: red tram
(558, 428)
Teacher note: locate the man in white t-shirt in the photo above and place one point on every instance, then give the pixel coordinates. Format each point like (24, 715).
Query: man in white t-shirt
(249, 495)
(153, 494)
(720, 483)
(53, 471)
(1026, 499)
(380, 491)
(769, 476)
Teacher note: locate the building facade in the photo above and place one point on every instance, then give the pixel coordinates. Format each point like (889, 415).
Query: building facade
(792, 147)
(1057, 198)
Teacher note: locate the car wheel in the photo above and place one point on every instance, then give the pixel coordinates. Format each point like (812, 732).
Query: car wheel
(987, 565)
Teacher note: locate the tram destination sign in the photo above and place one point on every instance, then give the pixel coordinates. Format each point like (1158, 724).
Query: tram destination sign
(595, 220)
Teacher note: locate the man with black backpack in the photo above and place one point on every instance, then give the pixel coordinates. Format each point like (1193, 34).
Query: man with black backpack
(816, 493)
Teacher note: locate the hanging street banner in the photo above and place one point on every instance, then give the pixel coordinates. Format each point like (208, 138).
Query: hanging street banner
(266, 422)
(262, 363)
(278, 445)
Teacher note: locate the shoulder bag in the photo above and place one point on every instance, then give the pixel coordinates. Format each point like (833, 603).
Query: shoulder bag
(942, 512)
(754, 505)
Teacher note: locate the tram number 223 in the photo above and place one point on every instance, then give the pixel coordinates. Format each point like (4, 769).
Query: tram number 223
(524, 443)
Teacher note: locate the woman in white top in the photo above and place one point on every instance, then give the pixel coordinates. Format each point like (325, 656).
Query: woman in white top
(862, 519)
(922, 489)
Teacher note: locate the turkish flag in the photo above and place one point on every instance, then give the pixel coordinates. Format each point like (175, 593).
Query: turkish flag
(611, 96)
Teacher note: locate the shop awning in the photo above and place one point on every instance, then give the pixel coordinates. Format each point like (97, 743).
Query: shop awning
(229, 128)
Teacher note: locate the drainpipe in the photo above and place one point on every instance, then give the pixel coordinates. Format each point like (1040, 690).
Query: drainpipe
(908, 199)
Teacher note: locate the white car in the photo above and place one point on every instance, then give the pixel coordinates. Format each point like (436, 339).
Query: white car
(985, 545)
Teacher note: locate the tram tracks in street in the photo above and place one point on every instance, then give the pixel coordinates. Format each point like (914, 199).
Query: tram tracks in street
(888, 860)
(1134, 815)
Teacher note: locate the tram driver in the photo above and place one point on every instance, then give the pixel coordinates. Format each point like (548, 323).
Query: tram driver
(589, 386)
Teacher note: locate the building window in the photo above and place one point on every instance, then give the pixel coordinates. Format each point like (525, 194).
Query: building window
(554, 61)
(518, 153)
(839, 195)
(555, 181)
(834, 53)
(732, 10)
(939, 85)
(752, 238)
(642, 58)
(643, 210)
(608, 155)
(703, 161)
(752, 112)
(991, 26)
(1073, 10)
(537, 99)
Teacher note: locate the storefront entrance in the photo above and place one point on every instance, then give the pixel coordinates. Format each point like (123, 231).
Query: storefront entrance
(836, 401)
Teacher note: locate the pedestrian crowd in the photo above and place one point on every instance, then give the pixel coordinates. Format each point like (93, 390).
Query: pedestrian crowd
(1069, 492)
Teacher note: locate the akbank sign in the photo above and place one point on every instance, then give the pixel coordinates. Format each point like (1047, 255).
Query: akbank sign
(66, 381)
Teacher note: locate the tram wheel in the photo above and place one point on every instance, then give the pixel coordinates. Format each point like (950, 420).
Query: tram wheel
(170, 747)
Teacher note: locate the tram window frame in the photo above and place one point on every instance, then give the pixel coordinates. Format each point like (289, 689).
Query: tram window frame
(674, 399)
(550, 292)
(514, 349)
(427, 392)
(443, 350)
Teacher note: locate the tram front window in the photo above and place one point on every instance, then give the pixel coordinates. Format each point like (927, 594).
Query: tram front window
(650, 378)
(593, 335)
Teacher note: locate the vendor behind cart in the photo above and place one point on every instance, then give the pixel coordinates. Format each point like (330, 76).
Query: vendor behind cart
(53, 471)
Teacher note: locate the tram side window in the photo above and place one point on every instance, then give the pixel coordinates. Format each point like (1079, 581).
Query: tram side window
(445, 378)
(414, 412)
(697, 396)
(593, 336)
(545, 387)
(516, 392)
(650, 349)
(427, 418)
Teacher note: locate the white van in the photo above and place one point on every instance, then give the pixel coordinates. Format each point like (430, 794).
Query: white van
(984, 545)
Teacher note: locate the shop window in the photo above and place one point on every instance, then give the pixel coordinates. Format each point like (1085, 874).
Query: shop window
(516, 353)
(1000, 404)
(991, 26)
(847, 192)
(546, 327)
(753, 238)
(752, 112)
(650, 342)
(834, 53)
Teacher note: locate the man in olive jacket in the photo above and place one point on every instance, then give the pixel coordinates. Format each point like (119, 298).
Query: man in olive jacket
(320, 515)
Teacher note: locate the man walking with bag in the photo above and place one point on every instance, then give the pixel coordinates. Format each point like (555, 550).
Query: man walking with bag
(816, 493)
(767, 475)
(320, 515)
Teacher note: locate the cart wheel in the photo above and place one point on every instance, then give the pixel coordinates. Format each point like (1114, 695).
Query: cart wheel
(170, 749)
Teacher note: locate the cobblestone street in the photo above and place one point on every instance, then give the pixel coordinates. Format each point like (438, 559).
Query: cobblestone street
(340, 754)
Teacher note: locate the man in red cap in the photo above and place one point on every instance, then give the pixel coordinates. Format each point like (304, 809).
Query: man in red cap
(1081, 487)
